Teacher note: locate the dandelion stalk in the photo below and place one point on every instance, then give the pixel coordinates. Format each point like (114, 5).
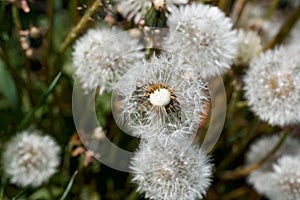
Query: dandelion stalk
(242, 145)
(242, 172)
(74, 33)
(50, 17)
(74, 11)
(238, 9)
(16, 17)
(284, 30)
(271, 9)
(224, 5)
(133, 195)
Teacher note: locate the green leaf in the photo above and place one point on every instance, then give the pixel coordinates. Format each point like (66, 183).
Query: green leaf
(22, 194)
(63, 197)
(52, 85)
(28, 117)
(8, 87)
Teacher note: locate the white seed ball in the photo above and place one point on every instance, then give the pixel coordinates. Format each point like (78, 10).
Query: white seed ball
(160, 97)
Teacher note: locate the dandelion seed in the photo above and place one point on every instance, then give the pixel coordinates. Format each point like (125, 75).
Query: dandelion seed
(173, 172)
(102, 56)
(30, 159)
(206, 40)
(159, 95)
(271, 87)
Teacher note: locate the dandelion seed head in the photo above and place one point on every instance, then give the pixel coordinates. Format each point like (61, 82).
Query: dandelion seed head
(272, 89)
(30, 159)
(102, 56)
(283, 181)
(262, 178)
(204, 36)
(287, 178)
(157, 96)
(249, 46)
(172, 172)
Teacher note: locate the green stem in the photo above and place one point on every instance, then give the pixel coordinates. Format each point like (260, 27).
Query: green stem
(74, 33)
(271, 9)
(16, 17)
(74, 11)
(133, 195)
(48, 49)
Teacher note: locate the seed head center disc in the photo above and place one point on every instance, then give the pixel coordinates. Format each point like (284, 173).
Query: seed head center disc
(160, 97)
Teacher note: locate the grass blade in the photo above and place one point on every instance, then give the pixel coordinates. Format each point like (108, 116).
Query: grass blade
(65, 194)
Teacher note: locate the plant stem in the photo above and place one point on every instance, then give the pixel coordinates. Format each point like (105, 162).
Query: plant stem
(16, 17)
(284, 30)
(48, 48)
(74, 11)
(242, 145)
(133, 195)
(242, 172)
(238, 9)
(271, 9)
(224, 5)
(74, 33)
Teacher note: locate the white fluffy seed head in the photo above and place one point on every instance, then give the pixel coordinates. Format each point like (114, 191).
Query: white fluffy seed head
(171, 172)
(157, 95)
(272, 86)
(160, 97)
(283, 181)
(262, 178)
(102, 56)
(249, 46)
(286, 178)
(203, 35)
(30, 159)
